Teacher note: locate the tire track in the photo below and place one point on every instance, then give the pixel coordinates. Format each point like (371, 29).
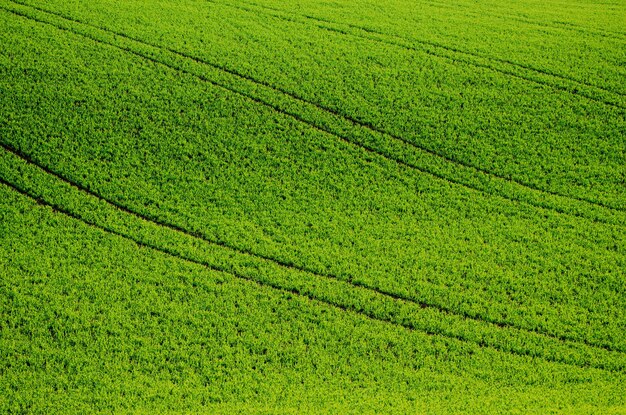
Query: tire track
(613, 34)
(549, 24)
(310, 297)
(361, 123)
(295, 267)
(558, 25)
(555, 25)
(283, 15)
(468, 10)
(353, 121)
(286, 264)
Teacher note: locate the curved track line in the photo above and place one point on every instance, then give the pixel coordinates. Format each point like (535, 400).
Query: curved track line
(350, 119)
(359, 311)
(418, 146)
(550, 24)
(290, 265)
(433, 44)
(156, 220)
(554, 24)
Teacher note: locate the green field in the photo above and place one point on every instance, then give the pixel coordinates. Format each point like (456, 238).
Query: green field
(269, 207)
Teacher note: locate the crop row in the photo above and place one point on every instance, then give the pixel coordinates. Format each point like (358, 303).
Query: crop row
(109, 325)
(555, 16)
(319, 253)
(543, 138)
(505, 66)
(178, 234)
(558, 52)
(70, 200)
(370, 138)
(248, 204)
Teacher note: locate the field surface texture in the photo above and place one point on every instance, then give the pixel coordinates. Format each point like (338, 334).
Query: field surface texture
(291, 207)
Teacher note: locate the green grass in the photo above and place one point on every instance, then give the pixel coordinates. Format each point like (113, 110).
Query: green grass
(352, 207)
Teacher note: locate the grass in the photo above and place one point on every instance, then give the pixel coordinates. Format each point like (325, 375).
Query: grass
(257, 207)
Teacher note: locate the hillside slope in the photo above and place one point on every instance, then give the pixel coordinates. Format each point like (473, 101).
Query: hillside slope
(236, 207)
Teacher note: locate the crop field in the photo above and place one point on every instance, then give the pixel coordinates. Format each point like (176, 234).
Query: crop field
(293, 207)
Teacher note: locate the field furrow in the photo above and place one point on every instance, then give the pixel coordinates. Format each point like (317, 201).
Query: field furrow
(355, 277)
(475, 178)
(347, 297)
(388, 295)
(144, 295)
(345, 207)
(614, 98)
(421, 136)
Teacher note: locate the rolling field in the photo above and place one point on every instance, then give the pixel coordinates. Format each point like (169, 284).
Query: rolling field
(268, 207)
